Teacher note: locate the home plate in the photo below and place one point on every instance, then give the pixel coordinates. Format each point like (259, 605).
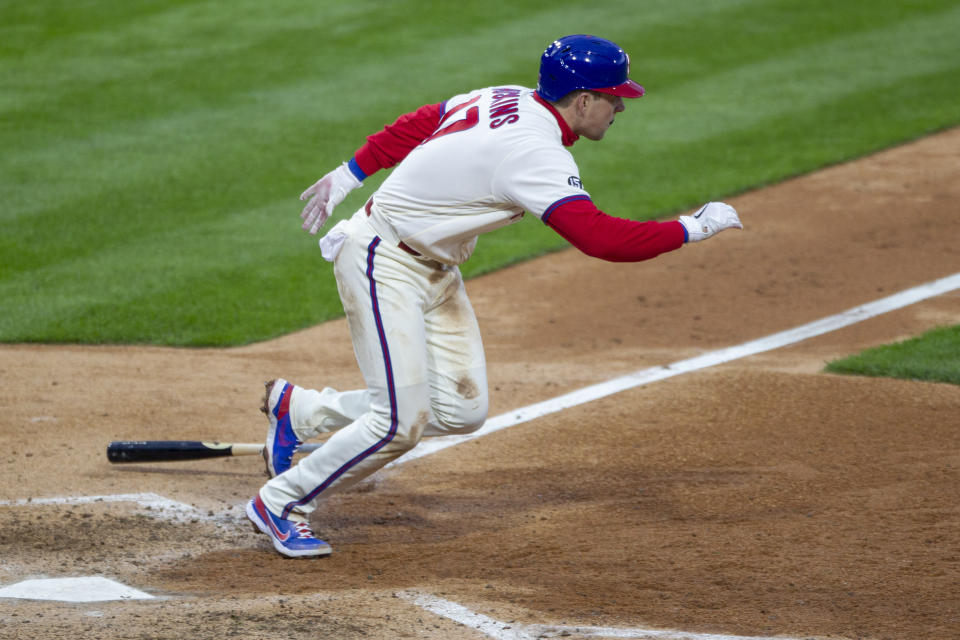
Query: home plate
(92, 589)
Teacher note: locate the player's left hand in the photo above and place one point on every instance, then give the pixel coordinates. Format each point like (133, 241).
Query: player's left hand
(711, 218)
(325, 194)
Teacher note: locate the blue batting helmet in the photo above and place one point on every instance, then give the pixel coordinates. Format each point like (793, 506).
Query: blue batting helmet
(585, 62)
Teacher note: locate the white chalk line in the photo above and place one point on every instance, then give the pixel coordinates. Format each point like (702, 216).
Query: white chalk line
(459, 613)
(512, 631)
(654, 374)
(158, 505)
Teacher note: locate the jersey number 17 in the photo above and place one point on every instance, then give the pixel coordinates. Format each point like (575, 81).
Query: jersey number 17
(469, 120)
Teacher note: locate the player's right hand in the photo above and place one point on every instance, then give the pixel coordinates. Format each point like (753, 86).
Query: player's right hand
(711, 218)
(325, 194)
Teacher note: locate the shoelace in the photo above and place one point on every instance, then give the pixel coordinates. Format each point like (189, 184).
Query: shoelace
(303, 530)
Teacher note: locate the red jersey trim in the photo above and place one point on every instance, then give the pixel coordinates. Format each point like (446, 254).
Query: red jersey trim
(568, 137)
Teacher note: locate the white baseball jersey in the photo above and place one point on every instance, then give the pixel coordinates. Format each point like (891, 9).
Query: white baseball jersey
(496, 153)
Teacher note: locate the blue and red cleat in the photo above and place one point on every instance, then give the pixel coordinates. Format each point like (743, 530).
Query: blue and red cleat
(282, 442)
(291, 538)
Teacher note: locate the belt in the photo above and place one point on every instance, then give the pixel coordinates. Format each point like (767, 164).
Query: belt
(403, 245)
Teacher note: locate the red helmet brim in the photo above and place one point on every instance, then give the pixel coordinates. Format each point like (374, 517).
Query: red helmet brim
(628, 89)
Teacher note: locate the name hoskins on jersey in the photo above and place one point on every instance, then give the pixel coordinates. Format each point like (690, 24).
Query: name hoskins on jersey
(496, 154)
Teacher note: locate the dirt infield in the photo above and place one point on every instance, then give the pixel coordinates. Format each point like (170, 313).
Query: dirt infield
(761, 497)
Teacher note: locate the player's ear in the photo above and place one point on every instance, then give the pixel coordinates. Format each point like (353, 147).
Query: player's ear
(583, 101)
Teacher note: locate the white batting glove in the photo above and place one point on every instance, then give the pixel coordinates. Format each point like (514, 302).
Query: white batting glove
(325, 194)
(712, 218)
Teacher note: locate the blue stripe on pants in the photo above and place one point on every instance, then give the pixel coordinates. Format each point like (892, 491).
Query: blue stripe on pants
(391, 390)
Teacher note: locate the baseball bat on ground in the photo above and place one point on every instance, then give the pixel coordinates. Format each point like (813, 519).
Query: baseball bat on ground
(172, 450)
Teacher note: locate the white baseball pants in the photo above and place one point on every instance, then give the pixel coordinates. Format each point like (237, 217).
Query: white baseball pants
(418, 345)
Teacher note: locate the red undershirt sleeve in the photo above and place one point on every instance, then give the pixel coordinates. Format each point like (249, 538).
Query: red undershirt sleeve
(614, 239)
(388, 147)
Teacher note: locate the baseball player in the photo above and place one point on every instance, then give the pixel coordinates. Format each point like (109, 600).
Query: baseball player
(471, 164)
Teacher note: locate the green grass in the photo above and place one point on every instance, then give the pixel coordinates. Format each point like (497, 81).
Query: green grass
(152, 152)
(934, 357)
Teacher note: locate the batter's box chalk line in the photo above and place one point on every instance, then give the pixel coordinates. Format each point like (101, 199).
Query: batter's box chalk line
(501, 630)
(158, 506)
